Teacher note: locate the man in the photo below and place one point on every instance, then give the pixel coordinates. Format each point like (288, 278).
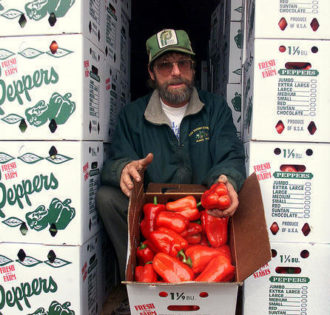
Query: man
(177, 134)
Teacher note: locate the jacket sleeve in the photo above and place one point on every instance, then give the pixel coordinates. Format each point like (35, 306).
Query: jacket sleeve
(227, 151)
(121, 153)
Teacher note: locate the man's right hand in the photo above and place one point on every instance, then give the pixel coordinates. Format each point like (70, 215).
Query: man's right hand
(131, 171)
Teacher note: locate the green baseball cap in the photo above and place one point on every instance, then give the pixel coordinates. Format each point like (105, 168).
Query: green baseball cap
(168, 40)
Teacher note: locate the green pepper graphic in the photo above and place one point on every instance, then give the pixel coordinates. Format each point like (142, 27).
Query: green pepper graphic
(55, 308)
(60, 107)
(239, 39)
(236, 101)
(37, 115)
(40, 311)
(60, 213)
(59, 7)
(37, 219)
(36, 9)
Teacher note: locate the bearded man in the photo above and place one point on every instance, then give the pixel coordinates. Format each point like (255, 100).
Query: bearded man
(176, 134)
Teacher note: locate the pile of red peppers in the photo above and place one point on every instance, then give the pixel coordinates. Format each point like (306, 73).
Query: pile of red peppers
(183, 242)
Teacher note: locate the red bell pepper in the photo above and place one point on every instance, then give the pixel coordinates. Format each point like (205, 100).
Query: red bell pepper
(145, 273)
(148, 223)
(201, 255)
(219, 269)
(216, 197)
(150, 245)
(171, 269)
(288, 168)
(193, 233)
(168, 241)
(192, 229)
(194, 239)
(144, 254)
(172, 220)
(225, 251)
(186, 206)
(216, 229)
(204, 240)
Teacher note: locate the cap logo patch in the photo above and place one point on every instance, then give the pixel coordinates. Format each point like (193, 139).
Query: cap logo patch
(166, 38)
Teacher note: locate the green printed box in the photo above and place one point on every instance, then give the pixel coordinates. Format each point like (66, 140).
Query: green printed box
(44, 279)
(50, 88)
(41, 17)
(47, 191)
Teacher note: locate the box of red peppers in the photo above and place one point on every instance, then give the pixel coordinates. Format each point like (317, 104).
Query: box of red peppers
(181, 258)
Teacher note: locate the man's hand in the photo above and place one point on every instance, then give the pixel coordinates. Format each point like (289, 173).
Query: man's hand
(233, 197)
(131, 171)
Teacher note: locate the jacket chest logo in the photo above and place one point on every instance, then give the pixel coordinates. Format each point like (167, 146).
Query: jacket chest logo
(200, 134)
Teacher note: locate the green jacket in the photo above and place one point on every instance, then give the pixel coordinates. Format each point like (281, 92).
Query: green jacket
(208, 144)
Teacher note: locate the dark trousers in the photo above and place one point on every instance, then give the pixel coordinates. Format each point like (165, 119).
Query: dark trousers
(112, 206)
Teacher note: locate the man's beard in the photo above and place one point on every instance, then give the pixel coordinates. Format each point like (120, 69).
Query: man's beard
(177, 96)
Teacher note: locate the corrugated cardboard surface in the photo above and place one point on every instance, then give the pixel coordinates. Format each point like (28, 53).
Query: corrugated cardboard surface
(249, 231)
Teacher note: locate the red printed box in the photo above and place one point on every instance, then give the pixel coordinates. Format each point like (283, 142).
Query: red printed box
(306, 19)
(295, 281)
(285, 91)
(293, 179)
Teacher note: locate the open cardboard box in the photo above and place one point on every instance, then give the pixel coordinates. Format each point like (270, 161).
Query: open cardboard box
(249, 243)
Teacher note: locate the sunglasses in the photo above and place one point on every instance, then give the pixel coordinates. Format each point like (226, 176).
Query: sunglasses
(166, 67)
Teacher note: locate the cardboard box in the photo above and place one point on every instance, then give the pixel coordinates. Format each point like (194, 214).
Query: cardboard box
(126, 7)
(217, 29)
(40, 279)
(217, 76)
(296, 204)
(231, 48)
(112, 105)
(50, 88)
(33, 17)
(48, 191)
(234, 10)
(125, 52)
(295, 281)
(286, 87)
(288, 19)
(234, 100)
(248, 241)
(112, 33)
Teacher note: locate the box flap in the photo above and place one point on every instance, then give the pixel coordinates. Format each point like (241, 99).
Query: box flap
(135, 205)
(249, 230)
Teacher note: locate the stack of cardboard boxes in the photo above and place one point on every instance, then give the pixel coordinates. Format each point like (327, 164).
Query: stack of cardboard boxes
(225, 53)
(286, 135)
(54, 254)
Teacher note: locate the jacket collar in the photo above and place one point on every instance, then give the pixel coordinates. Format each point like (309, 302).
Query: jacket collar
(156, 115)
